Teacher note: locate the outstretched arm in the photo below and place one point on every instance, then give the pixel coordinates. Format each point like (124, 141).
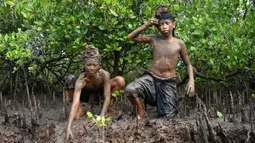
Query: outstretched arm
(142, 38)
(190, 88)
(107, 92)
(80, 83)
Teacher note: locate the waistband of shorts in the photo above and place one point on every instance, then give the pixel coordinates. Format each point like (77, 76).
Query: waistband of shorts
(160, 78)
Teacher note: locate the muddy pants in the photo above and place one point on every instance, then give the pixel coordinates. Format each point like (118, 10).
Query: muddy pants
(155, 92)
(86, 95)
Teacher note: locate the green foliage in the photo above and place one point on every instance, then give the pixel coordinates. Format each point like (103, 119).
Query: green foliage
(99, 120)
(219, 114)
(117, 93)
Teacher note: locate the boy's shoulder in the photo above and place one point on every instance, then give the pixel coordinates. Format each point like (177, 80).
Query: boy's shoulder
(179, 41)
(103, 73)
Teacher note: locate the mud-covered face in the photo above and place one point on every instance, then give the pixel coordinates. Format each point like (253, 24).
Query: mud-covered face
(91, 68)
(166, 26)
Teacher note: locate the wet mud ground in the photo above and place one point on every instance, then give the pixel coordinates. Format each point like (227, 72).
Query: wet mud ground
(50, 127)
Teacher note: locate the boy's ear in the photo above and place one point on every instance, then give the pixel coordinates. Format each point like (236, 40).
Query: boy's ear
(174, 24)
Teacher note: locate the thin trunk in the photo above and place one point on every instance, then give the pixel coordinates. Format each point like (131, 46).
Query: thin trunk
(64, 104)
(1, 103)
(11, 84)
(53, 98)
(116, 63)
(15, 91)
(231, 103)
(27, 88)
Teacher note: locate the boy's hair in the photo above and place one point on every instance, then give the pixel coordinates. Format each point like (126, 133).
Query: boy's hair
(162, 13)
(91, 55)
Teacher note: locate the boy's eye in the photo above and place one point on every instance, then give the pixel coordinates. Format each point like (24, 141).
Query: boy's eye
(167, 23)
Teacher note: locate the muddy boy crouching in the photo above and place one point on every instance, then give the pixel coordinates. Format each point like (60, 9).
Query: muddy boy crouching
(157, 86)
(91, 83)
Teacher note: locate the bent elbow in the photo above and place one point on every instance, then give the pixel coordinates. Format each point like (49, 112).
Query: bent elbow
(130, 37)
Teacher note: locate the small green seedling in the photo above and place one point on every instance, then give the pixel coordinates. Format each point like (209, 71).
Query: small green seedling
(99, 120)
(219, 114)
(117, 93)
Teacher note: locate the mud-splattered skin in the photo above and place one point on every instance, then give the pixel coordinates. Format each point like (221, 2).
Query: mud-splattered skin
(165, 57)
(166, 50)
(93, 79)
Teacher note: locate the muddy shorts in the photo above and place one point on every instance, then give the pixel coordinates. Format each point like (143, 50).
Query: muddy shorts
(157, 92)
(86, 95)
(94, 96)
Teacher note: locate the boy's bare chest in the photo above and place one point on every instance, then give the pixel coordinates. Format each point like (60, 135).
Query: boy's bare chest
(94, 83)
(166, 49)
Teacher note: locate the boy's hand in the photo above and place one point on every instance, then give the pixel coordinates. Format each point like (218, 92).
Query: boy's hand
(190, 88)
(153, 21)
(69, 133)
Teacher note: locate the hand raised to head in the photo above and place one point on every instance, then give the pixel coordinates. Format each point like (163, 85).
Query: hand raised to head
(153, 21)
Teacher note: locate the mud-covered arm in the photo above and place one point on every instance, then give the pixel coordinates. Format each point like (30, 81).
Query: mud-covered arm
(80, 83)
(135, 35)
(107, 92)
(190, 88)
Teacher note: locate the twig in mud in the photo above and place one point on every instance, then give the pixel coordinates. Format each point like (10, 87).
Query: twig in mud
(15, 90)
(85, 128)
(54, 98)
(221, 134)
(199, 121)
(1, 102)
(209, 126)
(231, 103)
(210, 129)
(45, 101)
(34, 99)
(251, 137)
(27, 88)
(202, 129)
(64, 104)
(241, 97)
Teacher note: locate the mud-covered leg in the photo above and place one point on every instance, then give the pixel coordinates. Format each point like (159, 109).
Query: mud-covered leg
(135, 101)
(117, 83)
(80, 112)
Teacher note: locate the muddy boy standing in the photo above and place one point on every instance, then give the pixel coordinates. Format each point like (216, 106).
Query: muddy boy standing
(157, 86)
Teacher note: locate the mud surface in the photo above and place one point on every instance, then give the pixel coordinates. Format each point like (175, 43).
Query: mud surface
(50, 126)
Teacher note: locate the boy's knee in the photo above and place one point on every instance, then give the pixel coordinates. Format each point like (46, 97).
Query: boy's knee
(69, 93)
(130, 92)
(121, 81)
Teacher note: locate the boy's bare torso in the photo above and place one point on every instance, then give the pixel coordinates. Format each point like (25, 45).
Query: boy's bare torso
(95, 82)
(165, 57)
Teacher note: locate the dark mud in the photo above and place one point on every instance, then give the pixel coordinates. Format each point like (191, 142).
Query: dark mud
(50, 127)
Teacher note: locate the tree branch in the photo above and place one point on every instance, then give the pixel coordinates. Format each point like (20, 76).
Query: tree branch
(207, 77)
